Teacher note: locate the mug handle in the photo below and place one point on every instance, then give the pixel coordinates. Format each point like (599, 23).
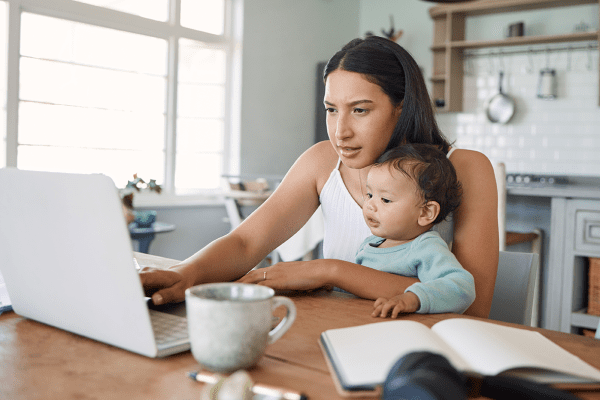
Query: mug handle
(286, 322)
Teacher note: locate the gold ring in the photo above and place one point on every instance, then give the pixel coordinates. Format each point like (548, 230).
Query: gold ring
(264, 275)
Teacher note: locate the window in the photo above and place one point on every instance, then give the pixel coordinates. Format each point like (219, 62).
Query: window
(120, 88)
(200, 114)
(205, 15)
(154, 9)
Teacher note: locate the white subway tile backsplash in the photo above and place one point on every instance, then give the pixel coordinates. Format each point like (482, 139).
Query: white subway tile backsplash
(544, 155)
(498, 153)
(559, 136)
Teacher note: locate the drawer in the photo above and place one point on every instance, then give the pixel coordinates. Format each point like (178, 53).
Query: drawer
(587, 231)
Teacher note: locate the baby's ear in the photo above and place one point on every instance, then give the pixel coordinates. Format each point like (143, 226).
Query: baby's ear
(429, 213)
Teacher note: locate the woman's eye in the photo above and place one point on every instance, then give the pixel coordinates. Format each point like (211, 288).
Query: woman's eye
(329, 110)
(359, 111)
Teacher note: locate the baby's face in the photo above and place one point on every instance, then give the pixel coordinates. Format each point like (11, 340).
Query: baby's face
(393, 205)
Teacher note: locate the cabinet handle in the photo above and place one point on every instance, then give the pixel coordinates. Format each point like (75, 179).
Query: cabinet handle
(594, 231)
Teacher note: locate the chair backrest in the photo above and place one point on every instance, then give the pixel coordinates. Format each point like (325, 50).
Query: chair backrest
(515, 287)
(500, 173)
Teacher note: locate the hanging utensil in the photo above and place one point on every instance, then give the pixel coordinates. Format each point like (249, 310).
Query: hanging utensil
(547, 82)
(500, 108)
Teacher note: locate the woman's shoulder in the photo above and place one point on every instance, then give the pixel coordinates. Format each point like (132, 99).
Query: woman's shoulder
(470, 163)
(324, 151)
(319, 156)
(469, 156)
(322, 157)
(316, 163)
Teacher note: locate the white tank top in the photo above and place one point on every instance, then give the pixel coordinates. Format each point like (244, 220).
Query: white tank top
(344, 224)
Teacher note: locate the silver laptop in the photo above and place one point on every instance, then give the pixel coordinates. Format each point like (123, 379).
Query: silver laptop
(67, 261)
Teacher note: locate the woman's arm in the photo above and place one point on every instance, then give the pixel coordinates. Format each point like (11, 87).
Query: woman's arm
(357, 279)
(283, 214)
(476, 243)
(276, 220)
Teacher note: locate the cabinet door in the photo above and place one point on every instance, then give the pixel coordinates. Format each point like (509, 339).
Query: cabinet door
(581, 241)
(587, 231)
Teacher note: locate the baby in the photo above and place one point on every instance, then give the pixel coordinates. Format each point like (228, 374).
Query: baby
(409, 190)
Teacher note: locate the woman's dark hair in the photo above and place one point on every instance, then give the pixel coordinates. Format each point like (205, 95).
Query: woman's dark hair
(387, 64)
(431, 170)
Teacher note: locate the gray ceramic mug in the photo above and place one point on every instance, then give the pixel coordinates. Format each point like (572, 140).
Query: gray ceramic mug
(231, 324)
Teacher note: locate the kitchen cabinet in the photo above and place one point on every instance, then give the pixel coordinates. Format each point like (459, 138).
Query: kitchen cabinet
(574, 237)
(581, 240)
(449, 42)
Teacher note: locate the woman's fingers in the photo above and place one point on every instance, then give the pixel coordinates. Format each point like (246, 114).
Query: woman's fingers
(163, 285)
(173, 294)
(256, 276)
(295, 275)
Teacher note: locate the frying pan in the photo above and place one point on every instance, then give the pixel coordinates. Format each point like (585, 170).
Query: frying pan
(500, 107)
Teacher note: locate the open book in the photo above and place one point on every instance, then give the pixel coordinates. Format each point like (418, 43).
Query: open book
(361, 357)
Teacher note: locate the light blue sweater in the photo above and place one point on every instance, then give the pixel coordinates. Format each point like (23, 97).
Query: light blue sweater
(445, 285)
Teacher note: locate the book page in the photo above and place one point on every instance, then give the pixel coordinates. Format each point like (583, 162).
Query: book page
(491, 349)
(364, 355)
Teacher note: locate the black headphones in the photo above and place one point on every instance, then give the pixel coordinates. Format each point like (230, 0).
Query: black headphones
(429, 376)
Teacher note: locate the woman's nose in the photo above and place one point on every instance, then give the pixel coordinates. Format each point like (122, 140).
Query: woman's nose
(342, 127)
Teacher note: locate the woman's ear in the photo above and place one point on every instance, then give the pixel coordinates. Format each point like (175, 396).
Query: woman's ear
(429, 213)
(398, 108)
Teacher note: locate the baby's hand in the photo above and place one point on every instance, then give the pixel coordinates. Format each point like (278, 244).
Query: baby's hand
(403, 303)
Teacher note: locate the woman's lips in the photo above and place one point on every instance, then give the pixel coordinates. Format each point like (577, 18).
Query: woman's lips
(349, 151)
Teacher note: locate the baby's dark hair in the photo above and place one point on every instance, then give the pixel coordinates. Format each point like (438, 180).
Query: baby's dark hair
(431, 170)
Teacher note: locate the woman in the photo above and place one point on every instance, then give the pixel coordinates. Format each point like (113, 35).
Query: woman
(376, 99)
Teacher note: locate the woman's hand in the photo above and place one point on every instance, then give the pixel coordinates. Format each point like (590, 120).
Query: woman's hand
(163, 285)
(404, 303)
(295, 275)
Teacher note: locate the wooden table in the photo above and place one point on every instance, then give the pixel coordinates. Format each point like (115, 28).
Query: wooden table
(41, 362)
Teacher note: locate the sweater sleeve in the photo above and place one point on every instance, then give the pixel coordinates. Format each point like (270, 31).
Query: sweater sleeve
(445, 286)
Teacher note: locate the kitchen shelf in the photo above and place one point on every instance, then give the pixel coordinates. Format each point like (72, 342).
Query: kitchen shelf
(449, 41)
(526, 40)
(501, 6)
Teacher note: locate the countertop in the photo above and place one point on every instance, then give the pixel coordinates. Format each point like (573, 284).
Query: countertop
(576, 187)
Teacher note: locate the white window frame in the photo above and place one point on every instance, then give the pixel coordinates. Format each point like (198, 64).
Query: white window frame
(171, 31)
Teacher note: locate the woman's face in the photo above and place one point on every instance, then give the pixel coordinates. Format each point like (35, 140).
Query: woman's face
(360, 118)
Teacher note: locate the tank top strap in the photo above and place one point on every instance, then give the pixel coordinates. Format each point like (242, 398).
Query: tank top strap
(450, 152)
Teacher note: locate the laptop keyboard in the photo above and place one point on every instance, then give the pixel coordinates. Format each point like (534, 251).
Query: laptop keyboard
(167, 327)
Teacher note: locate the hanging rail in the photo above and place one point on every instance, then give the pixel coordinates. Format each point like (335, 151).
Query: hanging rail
(592, 45)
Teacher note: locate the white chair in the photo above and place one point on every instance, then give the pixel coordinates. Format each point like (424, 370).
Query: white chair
(241, 192)
(514, 291)
(511, 238)
(252, 192)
